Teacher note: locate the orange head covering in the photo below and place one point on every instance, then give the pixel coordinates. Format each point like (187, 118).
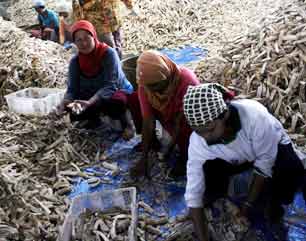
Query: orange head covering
(152, 68)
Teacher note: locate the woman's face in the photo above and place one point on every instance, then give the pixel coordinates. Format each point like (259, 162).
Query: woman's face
(158, 87)
(84, 41)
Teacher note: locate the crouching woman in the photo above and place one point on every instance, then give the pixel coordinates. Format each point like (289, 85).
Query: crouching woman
(161, 87)
(96, 81)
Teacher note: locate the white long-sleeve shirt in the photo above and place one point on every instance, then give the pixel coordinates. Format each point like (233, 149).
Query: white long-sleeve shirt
(257, 141)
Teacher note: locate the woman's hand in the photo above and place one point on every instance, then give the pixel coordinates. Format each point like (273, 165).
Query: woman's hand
(84, 104)
(143, 166)
(243, 214)
(78, 106)
(62, 107)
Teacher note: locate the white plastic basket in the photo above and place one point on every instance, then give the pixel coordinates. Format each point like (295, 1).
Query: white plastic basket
(34, 101)
(124, 198)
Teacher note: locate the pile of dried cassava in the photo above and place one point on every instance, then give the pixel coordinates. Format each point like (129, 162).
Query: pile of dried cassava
(29, 61)
(29, 208)
(173, 23)
(98, 225)
(51, 143)
(23, 13)
(40, 159)
(116, 223)
(268, 63)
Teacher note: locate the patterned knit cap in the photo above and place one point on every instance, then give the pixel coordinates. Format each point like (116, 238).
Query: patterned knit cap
(204, 103)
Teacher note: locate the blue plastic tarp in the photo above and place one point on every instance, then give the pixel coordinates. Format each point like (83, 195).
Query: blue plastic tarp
(186, 54)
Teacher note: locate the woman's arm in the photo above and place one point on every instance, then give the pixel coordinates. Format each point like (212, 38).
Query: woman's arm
(111, 65)
(177, 121)
(73, 79)
(254, 192)
(265, 137)
(147, 135)
(148, 129)
(72, 85)
(142, 166)
(195, 186)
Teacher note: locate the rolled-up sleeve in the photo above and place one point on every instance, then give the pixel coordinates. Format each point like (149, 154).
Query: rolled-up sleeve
(266, 138)
(195, 175)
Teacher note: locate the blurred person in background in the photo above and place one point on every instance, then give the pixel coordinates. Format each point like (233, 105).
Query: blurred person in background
(106, 17)
(63, 9)
(48, 22)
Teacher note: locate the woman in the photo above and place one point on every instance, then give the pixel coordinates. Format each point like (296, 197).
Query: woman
(230, 138)
(96, 81)
(63, 10)
(162, 85)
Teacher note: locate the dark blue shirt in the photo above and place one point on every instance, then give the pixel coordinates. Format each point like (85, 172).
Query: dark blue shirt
(110, 79)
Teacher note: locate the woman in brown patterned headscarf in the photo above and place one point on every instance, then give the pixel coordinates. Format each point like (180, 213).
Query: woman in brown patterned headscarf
(159, 76)
(162, 85)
